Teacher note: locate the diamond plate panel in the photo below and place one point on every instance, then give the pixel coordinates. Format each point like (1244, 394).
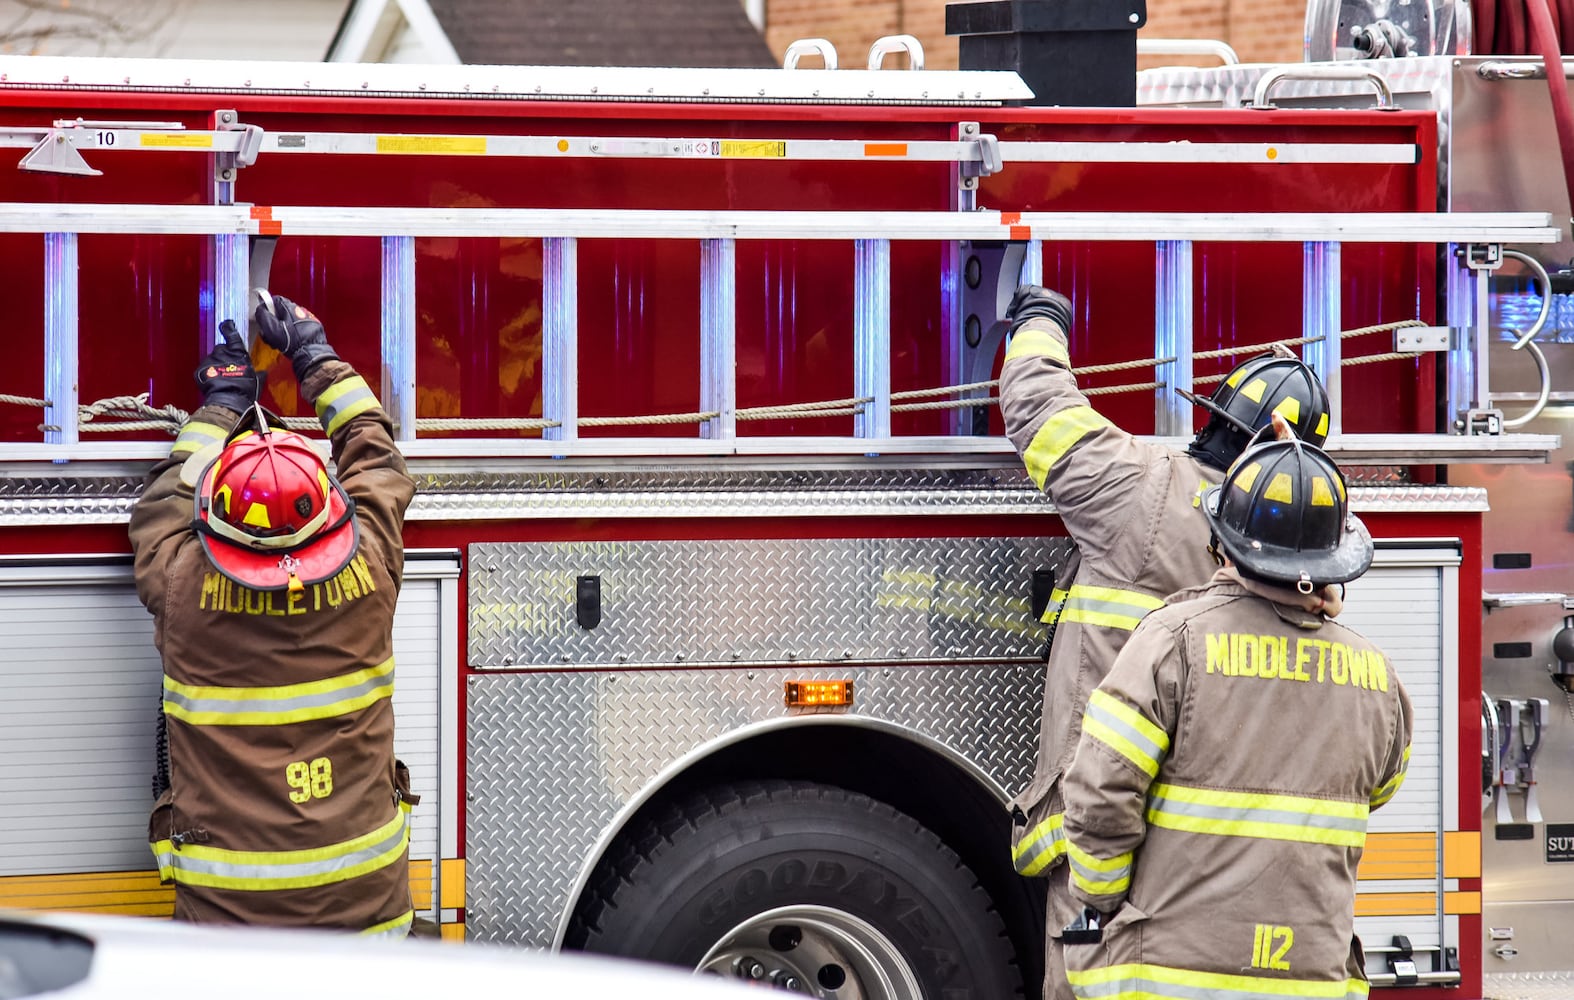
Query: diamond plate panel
(1527, 985)
(758, 601)
(554, 756)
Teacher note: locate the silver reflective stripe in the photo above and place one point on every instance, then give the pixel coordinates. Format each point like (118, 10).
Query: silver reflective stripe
(276, 706)
(1132, 734)
(343, 401)
(1057, 600)
(1184, 985)
(1042, 847)
(1108, 606)
(1239, 814)
(225, 870)
(196, 435)
(398, 927)
(1089, 876)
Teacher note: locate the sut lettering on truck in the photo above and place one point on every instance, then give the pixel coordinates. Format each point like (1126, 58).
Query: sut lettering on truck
(1304, 660)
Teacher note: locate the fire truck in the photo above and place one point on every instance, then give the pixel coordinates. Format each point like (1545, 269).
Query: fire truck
(717, 534)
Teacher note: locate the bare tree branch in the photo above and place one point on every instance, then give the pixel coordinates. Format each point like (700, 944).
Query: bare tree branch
(51, 21)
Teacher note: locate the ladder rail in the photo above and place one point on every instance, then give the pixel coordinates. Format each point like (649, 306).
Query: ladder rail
(172, 137)
(1131, 227)
(717, 232)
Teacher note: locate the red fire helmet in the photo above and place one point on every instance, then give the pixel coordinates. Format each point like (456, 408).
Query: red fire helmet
(269, 515)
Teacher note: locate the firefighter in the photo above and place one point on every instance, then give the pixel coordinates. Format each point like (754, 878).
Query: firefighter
(272, 585)
(1217, 803)
(1132, 509)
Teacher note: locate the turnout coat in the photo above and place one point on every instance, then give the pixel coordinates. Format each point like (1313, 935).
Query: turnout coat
(1133, 509)
(285, 805)
(1218, 799)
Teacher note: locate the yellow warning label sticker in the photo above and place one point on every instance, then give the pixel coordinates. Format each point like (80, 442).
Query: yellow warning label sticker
(177, 140)
(461, 145)
(753, 150)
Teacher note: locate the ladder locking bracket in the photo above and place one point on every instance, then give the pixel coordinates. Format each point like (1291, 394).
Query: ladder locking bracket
(987, 160)
(56, 153)
(1484, 256)
(1480, 423)
(228, 120)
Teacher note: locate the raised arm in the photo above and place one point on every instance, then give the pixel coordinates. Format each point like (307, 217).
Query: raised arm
(370, 466)
(1089, 467)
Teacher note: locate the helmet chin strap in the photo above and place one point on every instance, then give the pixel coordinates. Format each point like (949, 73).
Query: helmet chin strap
(1219, 558)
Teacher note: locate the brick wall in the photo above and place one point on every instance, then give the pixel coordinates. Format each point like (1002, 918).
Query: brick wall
(1260, 30)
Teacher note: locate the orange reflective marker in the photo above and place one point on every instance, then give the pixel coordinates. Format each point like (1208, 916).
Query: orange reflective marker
(819, 694)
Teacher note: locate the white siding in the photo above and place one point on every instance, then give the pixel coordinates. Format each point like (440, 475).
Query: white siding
(176, 29)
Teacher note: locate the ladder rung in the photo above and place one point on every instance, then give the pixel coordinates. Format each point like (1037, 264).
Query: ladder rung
(1320, 309)
(398, 334)
(560, 338)
(718, 338)
(1172, 335)
(872, 337)
(60, 338)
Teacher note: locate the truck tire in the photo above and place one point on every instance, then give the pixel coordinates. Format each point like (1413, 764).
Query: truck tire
(815, 889)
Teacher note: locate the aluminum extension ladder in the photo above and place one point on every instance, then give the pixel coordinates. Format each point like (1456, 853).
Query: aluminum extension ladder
(1477, 238)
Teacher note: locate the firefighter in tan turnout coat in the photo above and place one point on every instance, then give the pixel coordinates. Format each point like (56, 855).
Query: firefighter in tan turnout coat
(1133, 510)
(272, 586)
(1217, 803)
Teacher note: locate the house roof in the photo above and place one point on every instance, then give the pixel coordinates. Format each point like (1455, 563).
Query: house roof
(603, 33)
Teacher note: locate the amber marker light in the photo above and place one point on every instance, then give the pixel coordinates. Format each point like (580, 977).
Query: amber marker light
(819, 694)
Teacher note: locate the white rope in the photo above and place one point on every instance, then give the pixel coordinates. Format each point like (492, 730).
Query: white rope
(945, 404)
(483, 424)
(1122, 366)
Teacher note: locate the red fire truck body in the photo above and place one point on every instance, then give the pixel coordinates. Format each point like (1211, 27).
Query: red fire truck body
(607, 622)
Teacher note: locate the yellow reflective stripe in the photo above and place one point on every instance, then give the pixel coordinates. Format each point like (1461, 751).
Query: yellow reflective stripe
(397, 927)
(261, 871)
(1029, 342)
(1099, 876)
(1059, 435)
(1108, 607)
(1126, 731)
(1140, 981)
(196, 435)
(1041, 847)
(277, 706)
(1386, 790)
(1057, 600)
(1258, 814)
(344, 401)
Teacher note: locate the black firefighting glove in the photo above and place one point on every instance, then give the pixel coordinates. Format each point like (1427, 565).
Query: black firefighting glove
(1033, 302)
(293, 331)
(226, 376)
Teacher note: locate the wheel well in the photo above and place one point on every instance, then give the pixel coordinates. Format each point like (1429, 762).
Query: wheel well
(962, 810)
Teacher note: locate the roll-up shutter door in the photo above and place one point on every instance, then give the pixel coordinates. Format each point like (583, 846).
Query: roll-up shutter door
(79, 692)
(1403, 605)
